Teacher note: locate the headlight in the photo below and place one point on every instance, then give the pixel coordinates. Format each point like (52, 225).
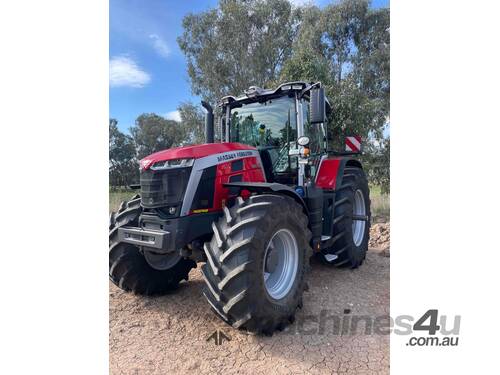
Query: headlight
(144, 164)
(175, 163)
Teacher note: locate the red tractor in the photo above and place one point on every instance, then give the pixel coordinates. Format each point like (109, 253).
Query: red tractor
(254, 208)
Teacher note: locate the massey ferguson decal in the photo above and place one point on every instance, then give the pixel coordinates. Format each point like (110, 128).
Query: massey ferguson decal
(234, 155)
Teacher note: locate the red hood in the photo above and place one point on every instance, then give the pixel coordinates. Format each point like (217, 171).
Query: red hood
(192, 152)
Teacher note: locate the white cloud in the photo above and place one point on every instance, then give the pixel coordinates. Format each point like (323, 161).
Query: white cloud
(160, 46)
(173, 115)
(123, 71)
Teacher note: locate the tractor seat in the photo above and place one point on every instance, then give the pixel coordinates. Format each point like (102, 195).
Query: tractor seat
(267, 162)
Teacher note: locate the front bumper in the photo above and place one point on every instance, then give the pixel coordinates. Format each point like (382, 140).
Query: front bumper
(145, 238)
(168, 235)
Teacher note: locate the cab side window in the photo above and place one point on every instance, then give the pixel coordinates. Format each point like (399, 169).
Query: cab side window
(312, 131)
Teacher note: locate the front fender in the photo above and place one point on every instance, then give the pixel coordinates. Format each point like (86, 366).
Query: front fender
(262, 187)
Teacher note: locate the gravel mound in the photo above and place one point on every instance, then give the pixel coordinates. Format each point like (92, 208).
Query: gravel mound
(380, 238)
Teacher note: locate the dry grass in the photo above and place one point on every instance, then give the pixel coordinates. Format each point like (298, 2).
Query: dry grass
(380, 204)
(117, 196)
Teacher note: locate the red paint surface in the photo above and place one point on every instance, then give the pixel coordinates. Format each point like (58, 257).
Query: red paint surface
(252, 172)
(192, 152)
(327, 174)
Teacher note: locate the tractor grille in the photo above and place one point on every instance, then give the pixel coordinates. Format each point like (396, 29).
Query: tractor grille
(164, 188)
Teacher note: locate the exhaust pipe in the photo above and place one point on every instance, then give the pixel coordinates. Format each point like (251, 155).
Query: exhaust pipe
(209, 122)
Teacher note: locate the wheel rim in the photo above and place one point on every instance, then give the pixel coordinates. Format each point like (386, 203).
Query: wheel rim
(281, 262)
(358, 226)
(161, 262)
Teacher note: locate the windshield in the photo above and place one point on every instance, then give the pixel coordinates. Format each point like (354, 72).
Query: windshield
(270, 123)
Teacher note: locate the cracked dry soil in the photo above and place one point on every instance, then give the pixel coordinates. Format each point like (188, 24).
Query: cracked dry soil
(168, 334)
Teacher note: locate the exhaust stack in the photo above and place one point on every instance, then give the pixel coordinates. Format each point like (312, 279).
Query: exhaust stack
(209, 122)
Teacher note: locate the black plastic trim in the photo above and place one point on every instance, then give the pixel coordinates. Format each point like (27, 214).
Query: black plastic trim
(261, 187)
(177, 232)
(237, 165)
(204, 196)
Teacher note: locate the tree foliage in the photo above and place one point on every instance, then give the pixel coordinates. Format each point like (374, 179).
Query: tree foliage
(237, 45)
(193, 122)
(123, 166)
(376, 162)
(152, 133)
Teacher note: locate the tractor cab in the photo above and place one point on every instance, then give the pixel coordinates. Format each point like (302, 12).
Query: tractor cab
(273, 121)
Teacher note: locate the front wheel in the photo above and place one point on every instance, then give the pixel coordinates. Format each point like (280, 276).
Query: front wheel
(141, 272)
(351, 220)
(256, 263)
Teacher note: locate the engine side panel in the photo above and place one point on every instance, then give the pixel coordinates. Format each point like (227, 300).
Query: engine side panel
(243, 170)
(205, 191)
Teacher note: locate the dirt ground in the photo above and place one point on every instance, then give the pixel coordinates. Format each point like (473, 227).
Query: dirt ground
(161, 335)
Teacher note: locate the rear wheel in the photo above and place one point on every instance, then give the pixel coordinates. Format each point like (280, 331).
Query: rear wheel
(256, 263)
(351, 221)
(142, 273)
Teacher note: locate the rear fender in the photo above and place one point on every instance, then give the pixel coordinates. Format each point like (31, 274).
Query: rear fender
(331, 171)
(329, 177)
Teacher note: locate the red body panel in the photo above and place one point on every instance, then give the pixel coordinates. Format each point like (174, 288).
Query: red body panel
(192, 152)
(251, 172)
(327, 174)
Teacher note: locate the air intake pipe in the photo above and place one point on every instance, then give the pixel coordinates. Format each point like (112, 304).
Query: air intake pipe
(209, 122)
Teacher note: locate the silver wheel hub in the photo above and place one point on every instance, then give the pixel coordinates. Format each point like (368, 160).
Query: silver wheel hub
(358, 226)
(161, 262)
(281, 262)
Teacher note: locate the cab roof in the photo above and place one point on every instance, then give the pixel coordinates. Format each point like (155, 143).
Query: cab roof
(255, 93)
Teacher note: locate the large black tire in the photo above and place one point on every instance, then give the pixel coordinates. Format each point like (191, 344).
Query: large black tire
(234, 282)
(128, 268)
(348, 253)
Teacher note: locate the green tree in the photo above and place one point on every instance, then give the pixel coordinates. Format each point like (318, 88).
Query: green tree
(152, 133)
(123, 166)
(237, 45)
(192, 122)
(376, 161)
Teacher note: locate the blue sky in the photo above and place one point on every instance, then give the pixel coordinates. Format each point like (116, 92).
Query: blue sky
(147, 69)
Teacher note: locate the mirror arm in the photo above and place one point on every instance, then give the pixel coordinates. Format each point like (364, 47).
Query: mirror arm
(308, 88)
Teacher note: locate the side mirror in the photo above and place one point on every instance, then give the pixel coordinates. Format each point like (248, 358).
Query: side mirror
(318, 106)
